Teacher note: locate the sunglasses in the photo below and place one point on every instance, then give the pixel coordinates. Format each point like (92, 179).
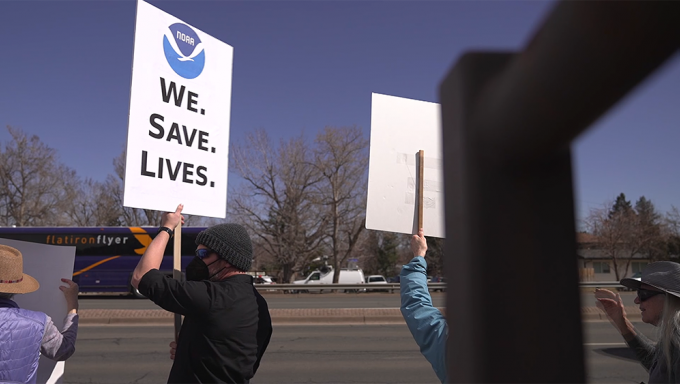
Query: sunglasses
(203, 252)
(646, 294)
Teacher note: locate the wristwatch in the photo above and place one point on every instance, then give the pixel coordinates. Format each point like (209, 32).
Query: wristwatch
(165, 229)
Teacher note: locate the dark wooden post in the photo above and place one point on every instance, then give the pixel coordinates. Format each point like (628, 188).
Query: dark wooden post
(508, 121)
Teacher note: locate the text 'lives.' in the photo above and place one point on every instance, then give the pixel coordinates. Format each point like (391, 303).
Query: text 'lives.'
(182, 135)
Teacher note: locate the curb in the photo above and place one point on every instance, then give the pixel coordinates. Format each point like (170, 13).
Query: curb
(307, 316)
(358, 316)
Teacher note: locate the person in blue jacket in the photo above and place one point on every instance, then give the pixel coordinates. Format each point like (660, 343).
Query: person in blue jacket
(427, 325)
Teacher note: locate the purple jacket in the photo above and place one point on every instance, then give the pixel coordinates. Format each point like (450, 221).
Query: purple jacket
(24, 335)
(21, 334)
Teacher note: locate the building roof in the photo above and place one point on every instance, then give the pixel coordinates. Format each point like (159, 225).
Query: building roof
(600, 254)
(585, 238)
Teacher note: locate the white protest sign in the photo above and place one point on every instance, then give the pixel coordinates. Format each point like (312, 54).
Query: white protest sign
(178, 130)
(399, 129)
(47, 264)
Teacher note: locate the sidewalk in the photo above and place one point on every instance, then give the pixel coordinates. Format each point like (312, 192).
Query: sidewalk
(347, 316)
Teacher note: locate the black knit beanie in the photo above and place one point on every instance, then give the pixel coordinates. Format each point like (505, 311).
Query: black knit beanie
(231, 242)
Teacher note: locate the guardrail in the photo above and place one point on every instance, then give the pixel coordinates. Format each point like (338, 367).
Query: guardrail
(393, 286)
(599, 284)
(343, 287)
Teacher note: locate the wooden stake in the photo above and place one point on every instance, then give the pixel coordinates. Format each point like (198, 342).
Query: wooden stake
(421, 168)
(177, 270)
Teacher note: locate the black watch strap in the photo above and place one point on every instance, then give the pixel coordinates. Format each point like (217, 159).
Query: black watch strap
(165, 229)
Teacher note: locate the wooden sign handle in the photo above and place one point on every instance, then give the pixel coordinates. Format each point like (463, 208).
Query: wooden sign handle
(177, 270)
(421, 168)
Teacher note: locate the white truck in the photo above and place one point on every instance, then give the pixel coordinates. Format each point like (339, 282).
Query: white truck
(377, 280)
(347, 276)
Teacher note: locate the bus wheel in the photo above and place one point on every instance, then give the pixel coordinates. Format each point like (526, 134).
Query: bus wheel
(135, 292)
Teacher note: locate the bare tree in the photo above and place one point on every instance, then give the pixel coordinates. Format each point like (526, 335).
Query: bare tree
(129, 216)
(672, 231)
(34, 186)
(94, 205)
(622, 232)
(277, 202)
(613, 234)
(112, 202)
(341, 158)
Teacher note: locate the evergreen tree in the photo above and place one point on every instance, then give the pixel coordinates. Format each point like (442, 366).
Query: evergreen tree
(621, 206)
(435, 256)
(648, 230)
(387, 254)
(381, 253)
(646, 212)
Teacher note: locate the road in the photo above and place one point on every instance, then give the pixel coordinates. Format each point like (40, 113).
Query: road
(608, 359)
(310, 354)
(317, 354)
(276, 301)
(310, 300)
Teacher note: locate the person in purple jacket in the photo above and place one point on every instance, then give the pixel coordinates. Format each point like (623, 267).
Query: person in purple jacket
(24, 334)
(427, 325)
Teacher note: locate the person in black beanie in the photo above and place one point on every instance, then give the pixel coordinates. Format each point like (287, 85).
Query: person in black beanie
(226, 327)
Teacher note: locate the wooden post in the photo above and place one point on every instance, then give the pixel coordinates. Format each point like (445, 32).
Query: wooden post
(507, 125)
(177, 270)
(421, 178)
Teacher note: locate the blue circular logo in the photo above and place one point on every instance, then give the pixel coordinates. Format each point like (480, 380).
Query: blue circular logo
(184, 51)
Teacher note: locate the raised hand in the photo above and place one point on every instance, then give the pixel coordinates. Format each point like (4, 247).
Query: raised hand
(172, 219)
(612, 305)
(419, 244)
(71, 293)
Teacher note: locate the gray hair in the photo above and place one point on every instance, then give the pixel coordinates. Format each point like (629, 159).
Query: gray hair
(669, 330)
(7, 296)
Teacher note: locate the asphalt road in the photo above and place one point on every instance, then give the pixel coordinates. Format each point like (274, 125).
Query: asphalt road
(276, 301)
(317, 354)
(311, 300)
(310, 354)
(608, 359)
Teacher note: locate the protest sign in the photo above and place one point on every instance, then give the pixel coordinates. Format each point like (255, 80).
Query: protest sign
(400, 128)
(178, 130)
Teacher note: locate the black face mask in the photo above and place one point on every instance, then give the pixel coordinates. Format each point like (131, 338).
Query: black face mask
(197, 270)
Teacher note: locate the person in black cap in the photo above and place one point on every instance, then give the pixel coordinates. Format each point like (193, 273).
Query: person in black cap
(226, 326)
(658, 295)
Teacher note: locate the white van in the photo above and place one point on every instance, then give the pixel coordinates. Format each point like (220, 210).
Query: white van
(347, 276)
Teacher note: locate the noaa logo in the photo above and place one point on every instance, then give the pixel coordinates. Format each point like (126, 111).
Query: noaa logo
(184, 51)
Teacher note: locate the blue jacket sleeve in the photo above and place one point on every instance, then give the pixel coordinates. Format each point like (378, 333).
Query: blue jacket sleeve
(427, 325)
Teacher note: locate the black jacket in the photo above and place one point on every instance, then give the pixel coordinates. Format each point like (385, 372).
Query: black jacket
(226, 328)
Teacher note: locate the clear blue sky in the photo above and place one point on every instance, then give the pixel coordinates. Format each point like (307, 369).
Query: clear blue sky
(302, 65)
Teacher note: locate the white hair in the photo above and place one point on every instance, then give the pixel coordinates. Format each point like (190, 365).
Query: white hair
(669, 331)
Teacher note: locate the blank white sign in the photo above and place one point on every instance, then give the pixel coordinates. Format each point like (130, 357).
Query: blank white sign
(399, 129)
(47, 264)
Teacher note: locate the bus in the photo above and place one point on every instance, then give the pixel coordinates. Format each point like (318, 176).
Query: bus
(106, 256)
